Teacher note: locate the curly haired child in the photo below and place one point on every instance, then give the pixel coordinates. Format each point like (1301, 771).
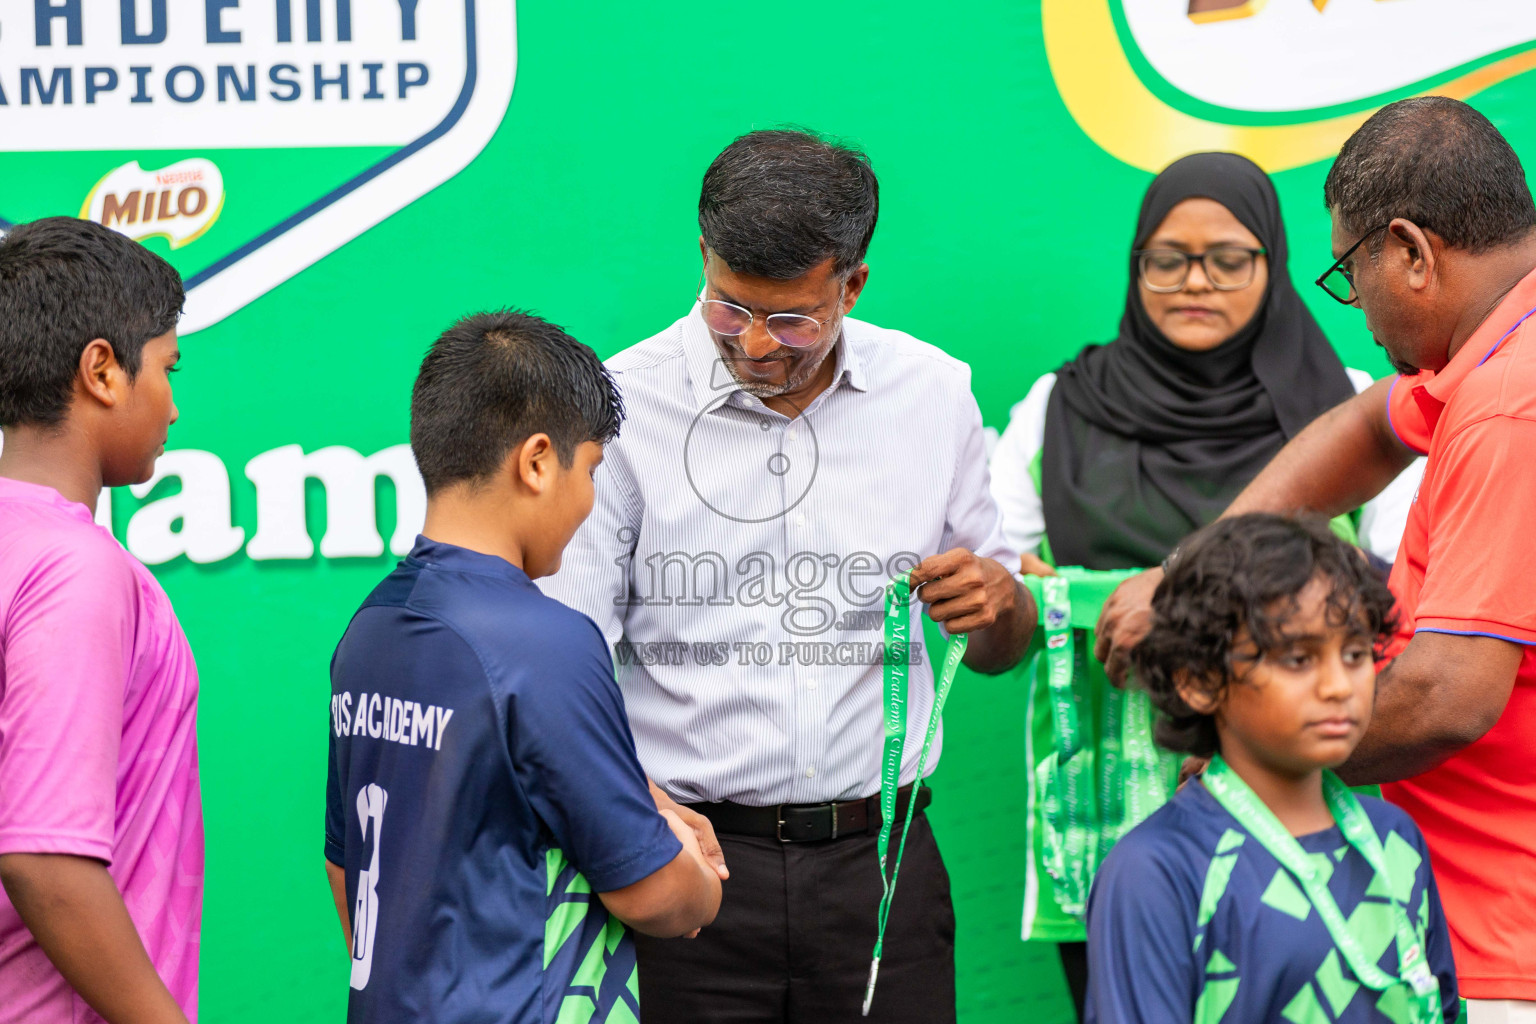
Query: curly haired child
(1266, 890)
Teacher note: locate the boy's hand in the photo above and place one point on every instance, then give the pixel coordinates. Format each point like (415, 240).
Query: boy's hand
(690, 840)
(337, 877)
(703, 829)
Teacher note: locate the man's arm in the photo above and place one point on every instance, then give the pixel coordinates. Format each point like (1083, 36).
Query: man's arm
(966, 593)
(1472, 616)
(1340, 461)
(76, 913)
(970, 593)
(338, 879)
(1443, 693)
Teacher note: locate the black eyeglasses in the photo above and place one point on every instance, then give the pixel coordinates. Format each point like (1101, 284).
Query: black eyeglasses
(1340, 283)
(1229, 268)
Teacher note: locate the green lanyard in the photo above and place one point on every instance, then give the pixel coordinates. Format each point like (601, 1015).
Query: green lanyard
(897, 648)
(1069, 793)
(1250, 812)
(1104, 774)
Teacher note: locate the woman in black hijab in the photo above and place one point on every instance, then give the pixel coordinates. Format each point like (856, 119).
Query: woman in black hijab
(1126, 449)
(1151, 436)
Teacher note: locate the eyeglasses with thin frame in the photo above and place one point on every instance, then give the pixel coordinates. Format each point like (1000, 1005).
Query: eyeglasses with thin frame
(1333, 286)
(1229, 268)
(792, 330)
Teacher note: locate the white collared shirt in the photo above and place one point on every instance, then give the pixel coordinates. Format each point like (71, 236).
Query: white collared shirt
(735, 559)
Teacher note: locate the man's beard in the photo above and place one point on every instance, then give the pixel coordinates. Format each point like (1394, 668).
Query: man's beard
(764, 389)
(1399, 364)
(793, 382)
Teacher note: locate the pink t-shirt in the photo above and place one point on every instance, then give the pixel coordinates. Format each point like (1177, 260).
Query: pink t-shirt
(98, 742)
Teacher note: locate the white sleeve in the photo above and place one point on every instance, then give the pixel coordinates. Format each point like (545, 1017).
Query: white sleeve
(1383, 518)
(1012, 486)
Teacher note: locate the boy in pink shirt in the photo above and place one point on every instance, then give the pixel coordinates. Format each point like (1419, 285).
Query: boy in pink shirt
(101, 826)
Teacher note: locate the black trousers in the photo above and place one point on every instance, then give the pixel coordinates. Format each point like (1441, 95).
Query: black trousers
(792, 941)
(1074, 964)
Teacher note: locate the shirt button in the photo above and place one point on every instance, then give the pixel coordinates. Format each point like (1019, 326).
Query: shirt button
(791, 435)
(800, 519)
(810, 684)
(810, 772)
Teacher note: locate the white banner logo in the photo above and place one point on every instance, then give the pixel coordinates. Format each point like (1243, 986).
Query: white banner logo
(425, 81)
(1298, 55)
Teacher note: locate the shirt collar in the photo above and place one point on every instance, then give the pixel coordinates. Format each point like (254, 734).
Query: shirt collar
(39, 494)
(1491, 335)
(456, 559)
(711, 379)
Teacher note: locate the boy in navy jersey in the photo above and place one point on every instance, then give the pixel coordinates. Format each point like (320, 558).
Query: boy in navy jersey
(1266, 890)
(488, 829)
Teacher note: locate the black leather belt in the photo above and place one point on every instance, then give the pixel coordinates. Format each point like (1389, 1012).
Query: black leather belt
(808, 823)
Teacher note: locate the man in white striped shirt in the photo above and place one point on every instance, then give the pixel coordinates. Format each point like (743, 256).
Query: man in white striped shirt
(780, 463)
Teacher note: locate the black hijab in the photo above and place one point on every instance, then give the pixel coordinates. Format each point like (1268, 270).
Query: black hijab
(1144, 441)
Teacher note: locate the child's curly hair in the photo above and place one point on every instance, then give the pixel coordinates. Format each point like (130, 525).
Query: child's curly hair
(1244, 574)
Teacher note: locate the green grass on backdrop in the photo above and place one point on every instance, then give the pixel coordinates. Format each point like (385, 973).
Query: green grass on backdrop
(1002, 238)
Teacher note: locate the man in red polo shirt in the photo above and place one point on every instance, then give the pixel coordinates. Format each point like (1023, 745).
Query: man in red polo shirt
(1435, 234)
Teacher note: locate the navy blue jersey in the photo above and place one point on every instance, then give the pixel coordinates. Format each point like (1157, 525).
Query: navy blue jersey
(483, 786)
(1192, 920)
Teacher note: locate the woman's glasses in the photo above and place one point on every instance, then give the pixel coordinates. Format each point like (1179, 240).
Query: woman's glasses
(792, 330)
(1229, 268)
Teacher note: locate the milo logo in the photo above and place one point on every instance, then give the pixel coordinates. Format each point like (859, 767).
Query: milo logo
(179, 202)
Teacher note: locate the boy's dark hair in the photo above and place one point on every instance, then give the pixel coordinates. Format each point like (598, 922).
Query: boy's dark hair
(776, 203)
(64, 283)
(1244, 574)
(1439, 163)
(495, 379)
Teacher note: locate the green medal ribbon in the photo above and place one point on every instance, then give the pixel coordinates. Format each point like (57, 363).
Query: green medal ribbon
(1103, 774)
(1413, 963)
(1069, 792)
(1145, 788)
(897, 651)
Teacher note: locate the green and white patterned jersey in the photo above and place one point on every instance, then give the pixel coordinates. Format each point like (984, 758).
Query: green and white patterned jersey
(1192, 919)
(589, 948)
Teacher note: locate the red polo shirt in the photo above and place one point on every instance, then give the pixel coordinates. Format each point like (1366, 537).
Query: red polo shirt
(1468, 566)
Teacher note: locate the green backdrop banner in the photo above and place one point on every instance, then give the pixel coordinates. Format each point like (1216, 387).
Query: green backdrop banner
(338, 180)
